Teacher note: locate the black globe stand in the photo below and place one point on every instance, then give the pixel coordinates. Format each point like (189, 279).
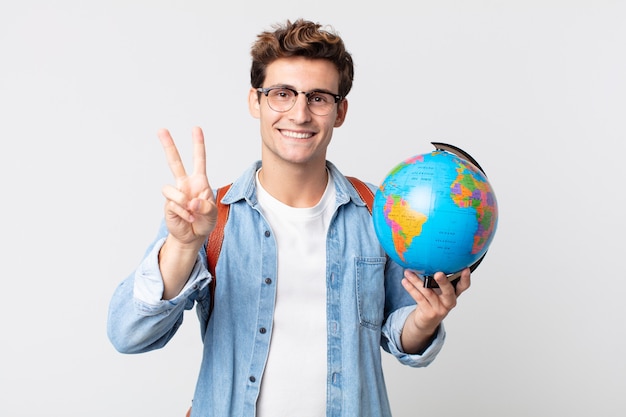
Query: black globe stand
(458, 152)
(429, 280)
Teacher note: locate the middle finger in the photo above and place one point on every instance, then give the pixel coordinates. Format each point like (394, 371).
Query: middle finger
(199, 152)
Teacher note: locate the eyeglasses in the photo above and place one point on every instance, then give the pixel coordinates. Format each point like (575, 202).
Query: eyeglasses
(282, 99)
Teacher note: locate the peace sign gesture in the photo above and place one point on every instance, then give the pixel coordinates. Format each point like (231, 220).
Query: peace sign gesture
(190, 211)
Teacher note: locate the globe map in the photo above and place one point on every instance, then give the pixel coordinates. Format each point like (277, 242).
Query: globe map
(435, 212)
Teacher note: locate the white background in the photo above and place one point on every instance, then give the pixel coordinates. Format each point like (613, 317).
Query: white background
(534, 90)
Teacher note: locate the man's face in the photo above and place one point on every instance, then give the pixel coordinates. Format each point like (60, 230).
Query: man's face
(297, 136)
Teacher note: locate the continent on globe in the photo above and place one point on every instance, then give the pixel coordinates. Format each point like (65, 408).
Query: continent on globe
(436, 212)
(468, 192)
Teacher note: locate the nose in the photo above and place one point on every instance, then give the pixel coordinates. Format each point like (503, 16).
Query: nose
(300, 112)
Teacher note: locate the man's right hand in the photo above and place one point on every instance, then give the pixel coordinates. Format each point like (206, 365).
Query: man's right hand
(190, 213)
(190, 210)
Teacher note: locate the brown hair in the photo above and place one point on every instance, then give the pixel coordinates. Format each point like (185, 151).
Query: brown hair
(305, 39)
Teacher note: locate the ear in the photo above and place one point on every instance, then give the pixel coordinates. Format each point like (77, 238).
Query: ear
(342, 110)
(254, 106)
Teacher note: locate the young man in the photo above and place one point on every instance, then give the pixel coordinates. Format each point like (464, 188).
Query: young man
(305, 296)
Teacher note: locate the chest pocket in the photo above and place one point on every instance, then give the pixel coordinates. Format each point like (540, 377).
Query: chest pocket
(370, 282)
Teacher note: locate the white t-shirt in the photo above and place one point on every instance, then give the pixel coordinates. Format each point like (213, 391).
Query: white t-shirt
(294, 380)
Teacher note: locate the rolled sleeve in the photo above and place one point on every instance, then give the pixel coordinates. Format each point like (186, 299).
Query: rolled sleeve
(392, 329)
(148, 283)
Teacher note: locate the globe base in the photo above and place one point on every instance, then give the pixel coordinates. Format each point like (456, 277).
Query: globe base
(429, 280)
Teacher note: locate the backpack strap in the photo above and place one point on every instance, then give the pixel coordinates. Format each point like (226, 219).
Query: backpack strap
(364, 191)
(214, 243)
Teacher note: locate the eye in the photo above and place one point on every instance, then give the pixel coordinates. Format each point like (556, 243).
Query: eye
(320, 98)
(282, 94)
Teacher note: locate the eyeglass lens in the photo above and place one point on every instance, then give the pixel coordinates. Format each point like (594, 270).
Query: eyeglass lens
(283, 99)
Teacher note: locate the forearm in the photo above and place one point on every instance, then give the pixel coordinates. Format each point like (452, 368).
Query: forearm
(392, 340)
(416, 340)
(176, 262)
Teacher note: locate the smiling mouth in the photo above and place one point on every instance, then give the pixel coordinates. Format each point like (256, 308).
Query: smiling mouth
(296, 135)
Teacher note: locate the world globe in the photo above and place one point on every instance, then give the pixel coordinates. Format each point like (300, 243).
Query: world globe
(436, 212)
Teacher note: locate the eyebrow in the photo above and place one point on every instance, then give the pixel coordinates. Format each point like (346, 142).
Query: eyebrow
(314, 90)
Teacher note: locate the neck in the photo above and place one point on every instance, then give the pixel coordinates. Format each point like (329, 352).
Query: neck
(295, 187)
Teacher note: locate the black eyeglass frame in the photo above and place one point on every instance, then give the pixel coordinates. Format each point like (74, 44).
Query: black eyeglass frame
(307, 94)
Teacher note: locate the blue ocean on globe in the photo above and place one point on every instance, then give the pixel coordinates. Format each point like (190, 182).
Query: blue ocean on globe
(435, 212)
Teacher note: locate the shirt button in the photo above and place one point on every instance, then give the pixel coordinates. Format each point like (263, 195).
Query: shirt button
(252, 379)
(267, 233)
(262, 330)
(268, 281)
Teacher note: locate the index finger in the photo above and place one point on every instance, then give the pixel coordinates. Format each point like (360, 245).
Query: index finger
(199, 152)
(171, 153)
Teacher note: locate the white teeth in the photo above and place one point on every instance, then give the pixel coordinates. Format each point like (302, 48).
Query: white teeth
(296, 135)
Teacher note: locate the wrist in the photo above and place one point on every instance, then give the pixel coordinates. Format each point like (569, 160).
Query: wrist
(176, 247)
(415, 339)
(176, 261)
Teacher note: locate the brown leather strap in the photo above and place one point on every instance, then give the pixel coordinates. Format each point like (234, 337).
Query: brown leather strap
(364, 191)
(214, 244)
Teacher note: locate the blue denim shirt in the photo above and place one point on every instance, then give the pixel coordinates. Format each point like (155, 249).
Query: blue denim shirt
(366, 309)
